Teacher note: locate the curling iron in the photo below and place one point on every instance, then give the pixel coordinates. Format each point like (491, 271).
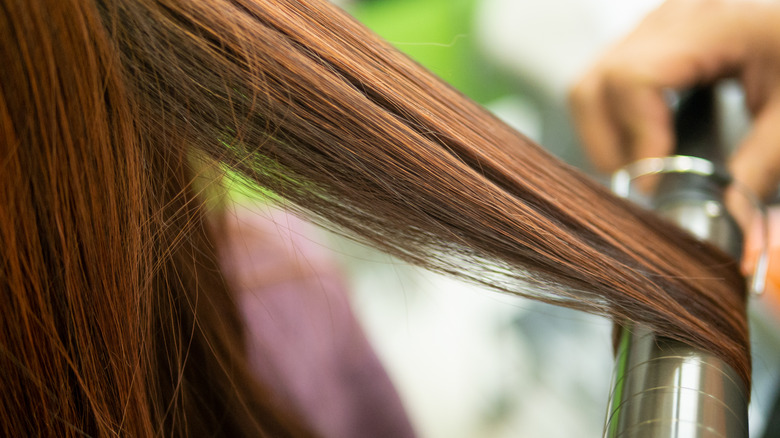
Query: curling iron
(663, 388)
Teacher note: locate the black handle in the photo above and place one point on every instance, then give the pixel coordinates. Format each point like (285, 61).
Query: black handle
(696, 125)
(697, 135)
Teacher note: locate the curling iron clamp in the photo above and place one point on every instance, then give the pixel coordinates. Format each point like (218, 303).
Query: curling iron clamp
(664, 388)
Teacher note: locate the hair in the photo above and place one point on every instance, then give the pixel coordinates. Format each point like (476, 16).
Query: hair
(116, 319)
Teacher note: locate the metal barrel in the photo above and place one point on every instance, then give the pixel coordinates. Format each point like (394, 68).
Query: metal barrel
(663, 388)
(666, 389)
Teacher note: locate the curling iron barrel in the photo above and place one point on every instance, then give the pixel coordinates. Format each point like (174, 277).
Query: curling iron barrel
(663, 388)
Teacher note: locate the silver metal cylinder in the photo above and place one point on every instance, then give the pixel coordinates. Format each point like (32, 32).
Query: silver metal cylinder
(666, 389)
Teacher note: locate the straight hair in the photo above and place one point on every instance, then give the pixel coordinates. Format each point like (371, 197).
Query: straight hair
(116, 317)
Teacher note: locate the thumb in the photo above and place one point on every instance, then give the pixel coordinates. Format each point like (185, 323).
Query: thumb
(753, 247)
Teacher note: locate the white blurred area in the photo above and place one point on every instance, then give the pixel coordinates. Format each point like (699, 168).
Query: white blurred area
(472, 363)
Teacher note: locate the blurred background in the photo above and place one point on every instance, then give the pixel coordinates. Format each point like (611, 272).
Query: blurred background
(468, 362)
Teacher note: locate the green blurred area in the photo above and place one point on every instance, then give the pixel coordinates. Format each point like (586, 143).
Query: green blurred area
(438, 34)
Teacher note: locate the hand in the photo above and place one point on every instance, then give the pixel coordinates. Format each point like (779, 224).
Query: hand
(619, 106)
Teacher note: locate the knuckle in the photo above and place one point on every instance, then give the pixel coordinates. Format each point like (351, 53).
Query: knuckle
(619, 75)
(584, 91)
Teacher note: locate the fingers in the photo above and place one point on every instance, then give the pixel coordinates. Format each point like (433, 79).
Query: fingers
(756, 163)
(645, 119)
(600, 134)
(620, 119)
(619, 108)
(755, 166)
(754, 245)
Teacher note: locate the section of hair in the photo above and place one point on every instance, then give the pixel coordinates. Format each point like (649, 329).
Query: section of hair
(305, 101)
(115, 317)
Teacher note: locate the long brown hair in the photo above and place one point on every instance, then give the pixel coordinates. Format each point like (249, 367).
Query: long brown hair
(115, 316)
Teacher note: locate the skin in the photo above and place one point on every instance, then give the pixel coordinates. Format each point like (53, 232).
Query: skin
(619, 107)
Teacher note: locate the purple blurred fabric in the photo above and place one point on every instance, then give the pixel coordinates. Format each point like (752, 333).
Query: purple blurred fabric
(304, 340)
